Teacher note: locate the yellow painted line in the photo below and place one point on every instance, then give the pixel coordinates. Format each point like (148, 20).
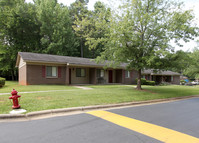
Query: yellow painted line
(157, 132)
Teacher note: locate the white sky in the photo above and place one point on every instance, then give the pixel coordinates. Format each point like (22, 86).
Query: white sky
(189, 4)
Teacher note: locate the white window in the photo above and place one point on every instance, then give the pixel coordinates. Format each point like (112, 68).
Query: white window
(171, 78)
(127, 74)
(80, 72)
(100, 73)
(51, 71)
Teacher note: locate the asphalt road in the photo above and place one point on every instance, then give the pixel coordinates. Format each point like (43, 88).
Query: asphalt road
(181, 116)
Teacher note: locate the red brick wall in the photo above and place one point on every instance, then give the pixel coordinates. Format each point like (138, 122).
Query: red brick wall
(36, 76)
(176, 80)
(133, 76)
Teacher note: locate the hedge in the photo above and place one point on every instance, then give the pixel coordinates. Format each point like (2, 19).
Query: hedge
(143, 81)
(146, 82)
(2, 81)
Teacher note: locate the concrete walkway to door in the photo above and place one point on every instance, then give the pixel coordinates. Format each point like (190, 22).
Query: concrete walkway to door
(82, 87)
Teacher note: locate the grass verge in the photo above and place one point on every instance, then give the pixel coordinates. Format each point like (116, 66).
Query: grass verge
(101, 94)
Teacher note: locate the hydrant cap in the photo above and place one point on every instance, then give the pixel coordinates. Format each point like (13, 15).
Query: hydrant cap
(14, 92)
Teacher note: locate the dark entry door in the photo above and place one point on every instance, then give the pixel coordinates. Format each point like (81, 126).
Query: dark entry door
(69, 76)
(110, 75)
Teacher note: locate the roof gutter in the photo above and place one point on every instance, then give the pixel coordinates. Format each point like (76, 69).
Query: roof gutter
(94, 66)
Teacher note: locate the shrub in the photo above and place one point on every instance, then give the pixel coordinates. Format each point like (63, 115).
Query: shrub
(146, 82)
(2, 81)
(143, 81)
(182, 82)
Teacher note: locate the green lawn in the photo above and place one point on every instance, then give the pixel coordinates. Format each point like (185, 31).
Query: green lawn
(73, 97)
(14, 85)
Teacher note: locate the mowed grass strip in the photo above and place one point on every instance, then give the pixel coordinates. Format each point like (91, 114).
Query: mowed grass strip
(20, 88)
(101, 94)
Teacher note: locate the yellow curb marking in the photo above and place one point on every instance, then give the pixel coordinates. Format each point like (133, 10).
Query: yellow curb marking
(157, 132)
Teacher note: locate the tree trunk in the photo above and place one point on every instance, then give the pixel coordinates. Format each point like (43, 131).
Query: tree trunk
(139, 80)
(82, 52)
(12, 75)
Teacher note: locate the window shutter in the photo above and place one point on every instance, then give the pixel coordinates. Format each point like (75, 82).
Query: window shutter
(59, 72)
(43, 71)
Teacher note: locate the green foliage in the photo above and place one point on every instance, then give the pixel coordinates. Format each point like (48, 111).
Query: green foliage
(180, 61)
(182, 82)
(2, 81)
(43, 27)
(18, 32)
(93, 27)
(78, 10)
(143, 81)
(174, 61)
(140, 35)
(192, 69)
(56, 32)
(108, 94)
(100, 95)
(146, 82)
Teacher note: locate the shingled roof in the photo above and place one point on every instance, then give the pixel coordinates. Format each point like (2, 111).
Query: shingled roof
(35, 57)
(161, 72)
(47, 58)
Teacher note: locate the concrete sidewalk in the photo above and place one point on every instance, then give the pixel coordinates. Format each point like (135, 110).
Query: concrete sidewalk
(84, 88)
(37, 91)
(79, 87)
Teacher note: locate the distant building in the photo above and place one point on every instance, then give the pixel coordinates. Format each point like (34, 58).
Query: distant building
(161, 76)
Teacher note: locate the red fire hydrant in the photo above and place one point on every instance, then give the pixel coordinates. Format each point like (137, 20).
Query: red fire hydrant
(15, 97)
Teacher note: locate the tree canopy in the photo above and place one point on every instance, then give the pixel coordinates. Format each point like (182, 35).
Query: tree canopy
(93, 28)
(192, 69)
(44, 26)
(141, 33)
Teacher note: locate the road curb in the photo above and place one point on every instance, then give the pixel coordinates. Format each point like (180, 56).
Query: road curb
(38, 113)
(54, 112)
(11, 116)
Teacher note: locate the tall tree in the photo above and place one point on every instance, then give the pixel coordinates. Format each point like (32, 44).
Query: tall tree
(43, 26)
(175, 61)
(180, 61)
(79, 10)
(94, 28)
(56, 33)
(192, 70)
(143, 30)
(18, 32)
